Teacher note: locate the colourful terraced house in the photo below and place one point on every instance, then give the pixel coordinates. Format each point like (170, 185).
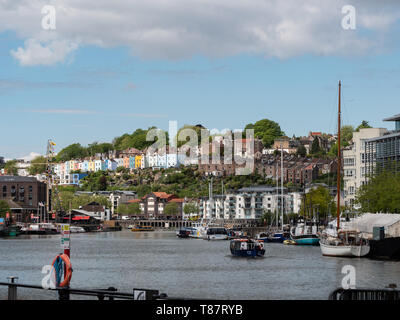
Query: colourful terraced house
(132, 162)
(138, 162)
(91, 166)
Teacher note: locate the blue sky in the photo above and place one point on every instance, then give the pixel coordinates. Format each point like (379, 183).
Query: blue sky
(96, 93)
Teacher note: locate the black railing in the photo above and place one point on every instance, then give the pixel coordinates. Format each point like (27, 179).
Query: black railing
(365, 294)
(110, 293)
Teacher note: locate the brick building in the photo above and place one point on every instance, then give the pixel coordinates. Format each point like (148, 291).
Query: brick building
(153, 205)
(23, 194)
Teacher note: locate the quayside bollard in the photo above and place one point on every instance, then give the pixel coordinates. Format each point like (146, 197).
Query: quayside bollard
(12, 289)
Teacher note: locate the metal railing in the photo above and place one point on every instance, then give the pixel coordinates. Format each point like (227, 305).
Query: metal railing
(110, 293)
(366, 294)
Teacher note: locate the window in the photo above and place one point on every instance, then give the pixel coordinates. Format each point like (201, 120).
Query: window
(4, 191)
(21, 194)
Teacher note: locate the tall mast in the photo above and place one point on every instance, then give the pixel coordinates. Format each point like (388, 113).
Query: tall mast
(282, 203)
(339, 165)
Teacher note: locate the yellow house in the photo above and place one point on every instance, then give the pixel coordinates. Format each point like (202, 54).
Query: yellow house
(138, 162)
(91, 166)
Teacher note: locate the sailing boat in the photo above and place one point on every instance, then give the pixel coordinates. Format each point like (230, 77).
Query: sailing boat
(305, 232)
(345, 243)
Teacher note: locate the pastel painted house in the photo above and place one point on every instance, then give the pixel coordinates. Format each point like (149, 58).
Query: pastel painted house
(120, 162)
(126, 162)
(111, 165)
(138, 162)
(91, 166)
(132, 162)
(85, 166)
(98, 165)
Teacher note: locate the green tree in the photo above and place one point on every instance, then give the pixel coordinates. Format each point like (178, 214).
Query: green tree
(364, 124)
(381, 193)
(315, 148)
(11, 167)
(4, 208)
(73, 151)
(190, 208)
(266, 130)
(38, 165)
(196, 128)
(301, 151)
(171, 209)
(128, 209)
(346, 133)
(320, 199)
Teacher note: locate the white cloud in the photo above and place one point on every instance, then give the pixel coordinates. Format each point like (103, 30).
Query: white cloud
(36, 52)
(176, 29)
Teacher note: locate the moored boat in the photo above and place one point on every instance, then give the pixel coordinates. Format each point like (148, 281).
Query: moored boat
(142, 228)
(247, 248)
(216, 233)
(184, 232)
(343, 243)
(348, 243)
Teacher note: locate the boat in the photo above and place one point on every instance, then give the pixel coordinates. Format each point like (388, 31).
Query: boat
(348, 243)
(75, 229)
(343, 243)
(262, 236)
(247, 248)
(216, 233)
(289, 242)
(235, 234)
(142, 228)
(198, 230)
(33, 228)
(305, 233)
(184, 232)
(279, 237)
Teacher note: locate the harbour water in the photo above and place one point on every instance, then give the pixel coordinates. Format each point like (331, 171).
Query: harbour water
(189, 268)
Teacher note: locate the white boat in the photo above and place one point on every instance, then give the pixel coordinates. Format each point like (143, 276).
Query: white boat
(348, 243)
(216, 233)
(342, 243)
(75, 229)
(199, 230)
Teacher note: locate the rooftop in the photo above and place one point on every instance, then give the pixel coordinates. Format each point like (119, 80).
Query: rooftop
(17, 179)
(394, 118)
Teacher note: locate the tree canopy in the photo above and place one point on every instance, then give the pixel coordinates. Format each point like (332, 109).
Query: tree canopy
(11, 167)
(171, 209)
(381, 193)
(4, 208)
(266, 130)
(320, 199)
(128, 209)
(364, 124)
(38, 165)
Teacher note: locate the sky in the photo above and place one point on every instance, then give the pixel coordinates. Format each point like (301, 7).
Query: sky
(110, 67)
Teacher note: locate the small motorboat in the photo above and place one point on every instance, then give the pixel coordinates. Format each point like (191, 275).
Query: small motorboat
(184, 232)
(142, 228)
(279, 237)
(289, 242)
(216, 233)
(76, 229)
(247, 248)
(262, 236)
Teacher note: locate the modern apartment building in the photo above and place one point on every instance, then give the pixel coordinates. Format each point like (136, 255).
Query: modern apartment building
(384, 152)
(248, 203)
(354, 162)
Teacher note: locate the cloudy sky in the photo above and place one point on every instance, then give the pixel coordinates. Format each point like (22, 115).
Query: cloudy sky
(110, 67)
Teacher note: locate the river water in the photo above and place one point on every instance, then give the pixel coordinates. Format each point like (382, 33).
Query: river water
(189, 268)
